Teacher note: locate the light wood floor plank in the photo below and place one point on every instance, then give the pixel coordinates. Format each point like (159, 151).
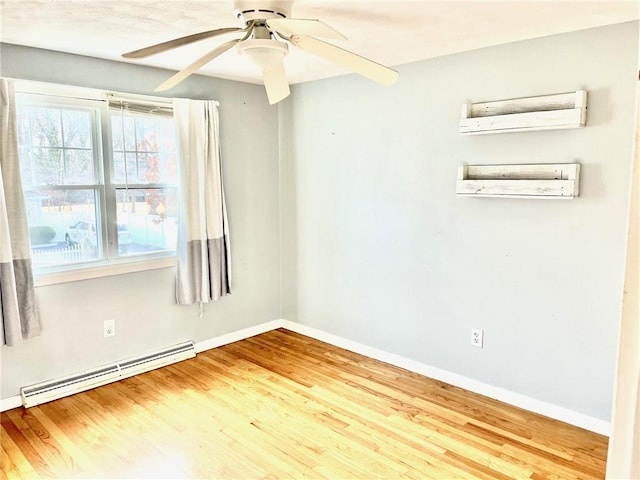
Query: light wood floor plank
(15, 464)
(282, 405)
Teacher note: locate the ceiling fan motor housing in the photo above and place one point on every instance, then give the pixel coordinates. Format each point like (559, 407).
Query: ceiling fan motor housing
(247, 10)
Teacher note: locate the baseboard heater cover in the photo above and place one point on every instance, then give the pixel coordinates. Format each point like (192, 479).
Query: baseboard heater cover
(36, 394)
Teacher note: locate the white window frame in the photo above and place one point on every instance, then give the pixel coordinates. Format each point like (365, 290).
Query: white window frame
(36, 93)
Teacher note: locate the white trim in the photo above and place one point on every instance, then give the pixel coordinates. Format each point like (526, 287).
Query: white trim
(238, 335)
(105, 270)
(10, 403)
(522, 401)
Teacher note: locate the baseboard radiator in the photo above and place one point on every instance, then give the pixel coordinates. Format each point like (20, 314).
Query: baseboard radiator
(62, 387)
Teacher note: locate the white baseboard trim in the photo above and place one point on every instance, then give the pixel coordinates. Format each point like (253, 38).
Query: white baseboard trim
(16, 401)
(522, 401)
(238, 335)
(10, 403)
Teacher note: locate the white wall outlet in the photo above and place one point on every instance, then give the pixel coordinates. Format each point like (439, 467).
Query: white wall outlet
(109, 328)
(477, 337)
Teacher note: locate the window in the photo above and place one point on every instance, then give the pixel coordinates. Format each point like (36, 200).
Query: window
(143, 179)
(99, 180)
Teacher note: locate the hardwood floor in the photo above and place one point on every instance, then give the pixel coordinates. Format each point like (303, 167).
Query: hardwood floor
(282, 405)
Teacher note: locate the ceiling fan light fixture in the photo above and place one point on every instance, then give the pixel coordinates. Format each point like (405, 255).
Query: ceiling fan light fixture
(264, 53)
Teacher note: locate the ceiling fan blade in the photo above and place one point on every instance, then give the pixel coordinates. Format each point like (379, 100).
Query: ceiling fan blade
(195, 66)
(179, 42)
(363, 66)
(301, 26)
(276, 83)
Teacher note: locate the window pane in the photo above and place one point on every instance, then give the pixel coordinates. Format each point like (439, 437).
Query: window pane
(55, 146)
(26, 166)
(62, 226)
(23, 126)
(147, 220)
(46, 128)
(48, 166)
(76, 127)
(169, 166)
(123, 124)
(120, 175)
(129, 132)
(147, 134)
(116, 133)
(150, 149)
(167, 135)
(148, 168)
(78, 167)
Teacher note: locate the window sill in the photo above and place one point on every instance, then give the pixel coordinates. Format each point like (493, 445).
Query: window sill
(99, 271)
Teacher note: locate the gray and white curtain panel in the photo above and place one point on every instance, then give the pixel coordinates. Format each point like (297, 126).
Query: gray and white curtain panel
(18, 314)
(203, 233)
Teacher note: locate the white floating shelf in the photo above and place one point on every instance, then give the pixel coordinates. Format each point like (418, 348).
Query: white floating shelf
(548, 112)
(519, 181)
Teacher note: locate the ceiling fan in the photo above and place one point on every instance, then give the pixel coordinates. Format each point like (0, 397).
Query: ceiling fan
(265, 39)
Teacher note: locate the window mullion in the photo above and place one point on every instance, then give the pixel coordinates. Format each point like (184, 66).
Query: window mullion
(143, 186)
(110, 209)
(63, 154)
(31, 188)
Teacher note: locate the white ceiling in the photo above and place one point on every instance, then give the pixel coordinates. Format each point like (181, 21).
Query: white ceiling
(389, 32)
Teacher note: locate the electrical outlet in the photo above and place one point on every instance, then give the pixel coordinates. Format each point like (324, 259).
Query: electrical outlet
(109, 328)
(477, 337)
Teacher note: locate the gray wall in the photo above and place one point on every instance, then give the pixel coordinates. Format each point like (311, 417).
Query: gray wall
(375, 245)
(143, 303)
(378, 249)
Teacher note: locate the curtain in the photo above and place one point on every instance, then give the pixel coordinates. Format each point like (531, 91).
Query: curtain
(18, 314)
(203, 233)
